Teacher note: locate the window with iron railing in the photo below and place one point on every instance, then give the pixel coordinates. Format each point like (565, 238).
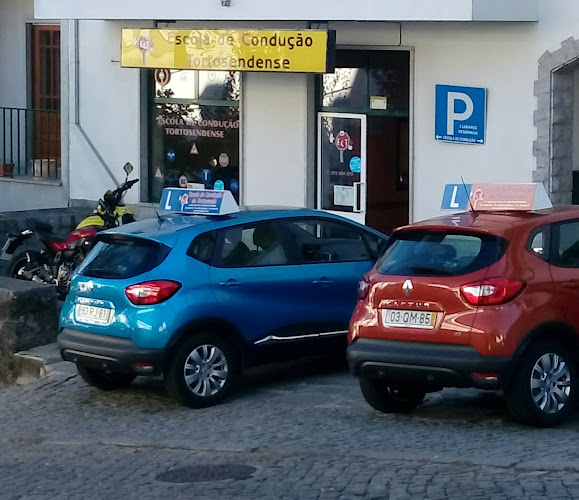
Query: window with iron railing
(30, 141)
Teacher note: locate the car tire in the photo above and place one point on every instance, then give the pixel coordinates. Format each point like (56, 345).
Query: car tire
(382, 397)
(542, 391)
(202, 370)
(107, 381)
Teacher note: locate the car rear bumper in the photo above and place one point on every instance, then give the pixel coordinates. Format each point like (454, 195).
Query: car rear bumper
(102, 352)
(432, 365)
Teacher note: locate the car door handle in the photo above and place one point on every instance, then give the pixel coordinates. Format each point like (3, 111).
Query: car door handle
(323, 281)
(231, 282)
(571, 284)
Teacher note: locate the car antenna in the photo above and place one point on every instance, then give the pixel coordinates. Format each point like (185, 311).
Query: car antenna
(475, 214)
(159, 218)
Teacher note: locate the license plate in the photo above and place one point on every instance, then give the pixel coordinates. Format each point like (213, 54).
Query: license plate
(93, 315)
(409, 319)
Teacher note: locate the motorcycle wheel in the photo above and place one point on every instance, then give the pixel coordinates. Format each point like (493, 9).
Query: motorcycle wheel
(20, 264)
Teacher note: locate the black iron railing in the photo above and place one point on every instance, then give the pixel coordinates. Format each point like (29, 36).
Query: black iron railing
(30, 143)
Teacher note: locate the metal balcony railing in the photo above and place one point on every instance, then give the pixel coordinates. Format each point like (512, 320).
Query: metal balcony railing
(30, 143)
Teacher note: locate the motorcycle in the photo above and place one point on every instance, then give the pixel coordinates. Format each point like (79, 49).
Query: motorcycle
(52, 260)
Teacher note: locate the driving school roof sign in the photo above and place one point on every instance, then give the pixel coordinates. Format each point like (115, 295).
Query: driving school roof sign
(495, 197)
(198, 201)
(305, 51)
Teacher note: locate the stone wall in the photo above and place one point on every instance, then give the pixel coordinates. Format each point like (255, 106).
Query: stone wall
(28, 318)
(553, 118)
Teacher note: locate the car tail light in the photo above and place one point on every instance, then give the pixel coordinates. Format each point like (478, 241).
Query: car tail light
(152, 292)
(363, 288)
(491, 291)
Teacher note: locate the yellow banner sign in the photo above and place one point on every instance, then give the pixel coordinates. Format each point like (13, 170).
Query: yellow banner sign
(306, 51)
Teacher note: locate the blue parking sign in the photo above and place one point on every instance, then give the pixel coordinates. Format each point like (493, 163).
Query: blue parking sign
(461, 114)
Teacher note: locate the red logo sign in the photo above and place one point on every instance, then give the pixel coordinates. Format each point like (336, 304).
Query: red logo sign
(343, 141)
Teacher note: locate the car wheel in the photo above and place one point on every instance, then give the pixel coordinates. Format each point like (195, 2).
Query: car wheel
(387, 399)
(201, 371)
(107, 381)
(542, 390)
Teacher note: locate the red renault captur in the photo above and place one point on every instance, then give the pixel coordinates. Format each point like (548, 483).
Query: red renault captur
(487, 300)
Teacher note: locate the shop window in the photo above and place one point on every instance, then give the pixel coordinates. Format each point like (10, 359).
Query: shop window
(194, 136)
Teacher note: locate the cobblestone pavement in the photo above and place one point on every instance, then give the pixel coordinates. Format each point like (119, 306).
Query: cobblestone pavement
(304, 428)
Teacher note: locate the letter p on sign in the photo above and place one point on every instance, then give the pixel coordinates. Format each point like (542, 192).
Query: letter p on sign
(452, 116)
(461, 114)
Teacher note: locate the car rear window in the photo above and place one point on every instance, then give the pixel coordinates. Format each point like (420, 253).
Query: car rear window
(440, 253)
(123, 257)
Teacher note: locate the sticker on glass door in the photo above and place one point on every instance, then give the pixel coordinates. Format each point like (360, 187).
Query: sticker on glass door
(342, 164)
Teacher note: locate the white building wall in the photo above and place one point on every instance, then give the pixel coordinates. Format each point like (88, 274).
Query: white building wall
(106, 110)
(272, 10)
(275, 129)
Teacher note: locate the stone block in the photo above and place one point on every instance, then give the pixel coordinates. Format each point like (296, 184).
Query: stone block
(540, 175)
(563, 198)
(546, 61)
(558, 59)
(563, 99)
(570, 49)
(542, 114)
(563, 115)
(28, 318)
(562, 183)
(562, 150)
(562, 133)
(562, 166)
(563, 82)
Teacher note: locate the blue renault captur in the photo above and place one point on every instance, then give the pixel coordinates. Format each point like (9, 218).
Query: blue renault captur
(198, 298)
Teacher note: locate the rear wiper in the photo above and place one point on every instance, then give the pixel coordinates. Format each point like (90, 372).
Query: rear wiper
(429, 270)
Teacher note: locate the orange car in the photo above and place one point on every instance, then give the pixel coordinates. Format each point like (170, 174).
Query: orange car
(486, 300)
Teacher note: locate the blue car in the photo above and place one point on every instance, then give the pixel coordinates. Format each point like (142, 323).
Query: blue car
(200, 298)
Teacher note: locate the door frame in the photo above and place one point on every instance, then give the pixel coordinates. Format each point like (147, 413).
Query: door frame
(356, 215)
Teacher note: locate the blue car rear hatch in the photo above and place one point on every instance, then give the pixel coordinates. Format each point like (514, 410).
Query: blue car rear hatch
(97, 301)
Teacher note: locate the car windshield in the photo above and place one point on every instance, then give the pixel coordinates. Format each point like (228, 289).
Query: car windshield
(440, 253)
(121, 258)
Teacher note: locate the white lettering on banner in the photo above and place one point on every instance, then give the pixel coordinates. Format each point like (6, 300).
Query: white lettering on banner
(168, 203)
(453, 202)
(452, 115)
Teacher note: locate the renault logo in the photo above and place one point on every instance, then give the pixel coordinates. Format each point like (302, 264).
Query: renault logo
(407, 287)
(86, 287)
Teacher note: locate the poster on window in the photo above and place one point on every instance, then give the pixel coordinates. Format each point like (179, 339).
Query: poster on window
(197, 142)
(340, 162)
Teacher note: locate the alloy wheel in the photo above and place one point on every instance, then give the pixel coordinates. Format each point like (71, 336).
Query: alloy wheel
(206, 370)
(550, 383)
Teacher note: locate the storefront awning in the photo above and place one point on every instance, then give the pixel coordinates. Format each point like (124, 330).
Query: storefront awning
(296, 10)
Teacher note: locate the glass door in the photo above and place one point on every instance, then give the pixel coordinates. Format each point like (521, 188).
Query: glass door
(342, 164)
